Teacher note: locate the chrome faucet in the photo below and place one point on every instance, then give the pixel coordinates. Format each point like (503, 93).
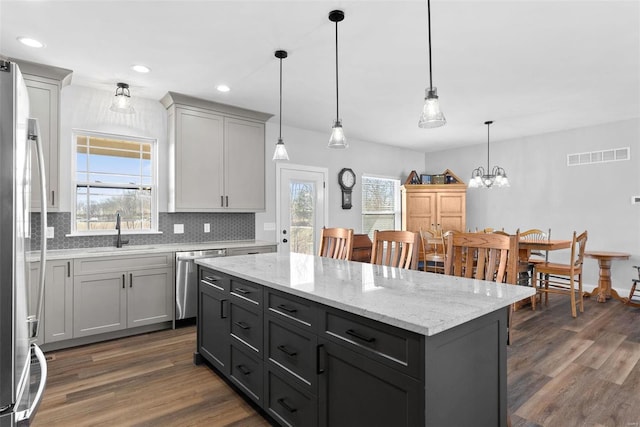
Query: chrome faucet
(119, 241)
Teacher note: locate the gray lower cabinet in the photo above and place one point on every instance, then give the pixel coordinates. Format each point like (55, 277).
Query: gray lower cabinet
(315, 365)
(56, 321)
(115, 293)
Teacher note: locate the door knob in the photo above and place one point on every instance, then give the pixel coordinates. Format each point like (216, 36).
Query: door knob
(284, 240)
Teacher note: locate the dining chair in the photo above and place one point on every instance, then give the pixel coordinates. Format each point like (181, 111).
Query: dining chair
(559, 278)
(526, 265)
(336, 243)
(395, 248)
(634, 295)
(485, 256)
(433, 251)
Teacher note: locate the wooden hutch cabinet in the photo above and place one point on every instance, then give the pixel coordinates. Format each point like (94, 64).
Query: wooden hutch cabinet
(424, 205)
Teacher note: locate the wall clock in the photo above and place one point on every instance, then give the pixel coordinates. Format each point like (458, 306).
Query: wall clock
(347, 180)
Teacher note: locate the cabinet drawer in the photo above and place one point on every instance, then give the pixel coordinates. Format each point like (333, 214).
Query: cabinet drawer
(302, 312)
(246, 326)
(247, 372)
(393, 346)
(292, 349)
(247, 292)
(288, 405)
(215, 280)
(107, 264)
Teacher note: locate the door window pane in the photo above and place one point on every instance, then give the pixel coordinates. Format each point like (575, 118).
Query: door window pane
(302, 216)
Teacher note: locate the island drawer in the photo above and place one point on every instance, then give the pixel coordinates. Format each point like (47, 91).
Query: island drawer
(246, 326)
(292, 349)
(392, 346)
(288, 405)
(300, 312)
(246, 291)
(248, 373)
(215, 280)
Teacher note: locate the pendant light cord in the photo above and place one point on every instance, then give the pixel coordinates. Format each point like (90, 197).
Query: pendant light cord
(337, 103)
(429, 37)
(280, 133)
(488, 125)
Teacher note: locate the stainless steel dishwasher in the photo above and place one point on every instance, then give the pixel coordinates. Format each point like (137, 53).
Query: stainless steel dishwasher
(187, 281)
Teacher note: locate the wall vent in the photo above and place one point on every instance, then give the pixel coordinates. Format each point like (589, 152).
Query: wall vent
(604, 156)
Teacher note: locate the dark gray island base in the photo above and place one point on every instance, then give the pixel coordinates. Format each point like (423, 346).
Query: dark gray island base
(306, 363)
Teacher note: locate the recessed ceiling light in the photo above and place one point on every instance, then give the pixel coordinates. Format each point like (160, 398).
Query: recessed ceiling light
(141, 68)
(223, 88)
(28, 41)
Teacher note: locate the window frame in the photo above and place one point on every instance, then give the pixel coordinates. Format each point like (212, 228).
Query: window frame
(397, 211)
(75, 133)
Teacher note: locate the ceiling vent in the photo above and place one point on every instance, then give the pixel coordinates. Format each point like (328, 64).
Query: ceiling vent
(604, 156)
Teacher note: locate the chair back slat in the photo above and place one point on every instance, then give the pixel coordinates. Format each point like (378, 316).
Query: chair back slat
(395, 248)
(336, 243)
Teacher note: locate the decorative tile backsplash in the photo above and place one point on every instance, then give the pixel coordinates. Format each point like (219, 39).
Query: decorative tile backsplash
(224, 226)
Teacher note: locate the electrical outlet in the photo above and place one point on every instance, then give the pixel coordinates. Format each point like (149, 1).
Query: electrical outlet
(635, 200)
(51, 232)
(178, 228)
(207, 228)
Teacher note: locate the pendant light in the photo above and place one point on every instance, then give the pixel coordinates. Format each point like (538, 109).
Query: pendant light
(122, 101)
(481, 178)
(337, 139)
(281, 152)
(432, 116)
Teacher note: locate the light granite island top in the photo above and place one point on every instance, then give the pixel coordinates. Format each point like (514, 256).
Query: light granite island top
(425, 303)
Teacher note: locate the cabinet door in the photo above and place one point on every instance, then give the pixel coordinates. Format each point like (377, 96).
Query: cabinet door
(451, 211)
(43, 105)
(244, 164)
(419, 210)
(213, 327)
(149, 297)
(357, 391)
(99, 303)
(58, 301)
(198, 161)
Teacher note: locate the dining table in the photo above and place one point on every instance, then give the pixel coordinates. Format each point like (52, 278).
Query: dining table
(528, 246)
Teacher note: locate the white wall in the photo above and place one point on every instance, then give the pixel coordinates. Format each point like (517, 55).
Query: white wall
(88, 109)
(545, 192)
(310, 148)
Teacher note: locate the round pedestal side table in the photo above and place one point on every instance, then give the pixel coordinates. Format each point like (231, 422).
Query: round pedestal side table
(604, 290)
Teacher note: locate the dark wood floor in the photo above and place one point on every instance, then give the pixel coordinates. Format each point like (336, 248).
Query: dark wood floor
(561, 372)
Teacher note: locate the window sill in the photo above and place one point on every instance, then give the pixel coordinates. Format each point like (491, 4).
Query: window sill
(110, 233)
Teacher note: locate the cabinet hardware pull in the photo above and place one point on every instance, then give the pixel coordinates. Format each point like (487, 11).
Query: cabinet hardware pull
(320, 355)
(286, 406)
(242, 291)
(242, 325)
(210, 278)
(244, 369)
(68, 268)
(53, 197)
(222, 201)
(287, 308)
(286, 351)
(360, 336)
(253, 253)
(131, 280)
(223, 309)
(227, 201)
(123, 280)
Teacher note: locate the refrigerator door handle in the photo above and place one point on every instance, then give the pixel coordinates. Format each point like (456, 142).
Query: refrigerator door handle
(28, 414)
(34, 135)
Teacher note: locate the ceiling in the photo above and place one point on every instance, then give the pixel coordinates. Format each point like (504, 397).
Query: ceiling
(531, 66)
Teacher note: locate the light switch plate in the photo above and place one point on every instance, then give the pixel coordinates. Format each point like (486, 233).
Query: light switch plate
(207, 228)
(51, 232)
(178, 228)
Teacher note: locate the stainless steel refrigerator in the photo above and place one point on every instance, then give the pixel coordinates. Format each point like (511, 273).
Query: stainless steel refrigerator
(23, 368)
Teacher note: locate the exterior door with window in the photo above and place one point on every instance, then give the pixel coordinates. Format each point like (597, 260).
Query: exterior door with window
(301, 208)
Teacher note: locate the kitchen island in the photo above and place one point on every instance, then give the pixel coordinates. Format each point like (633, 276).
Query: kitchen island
(317, 341)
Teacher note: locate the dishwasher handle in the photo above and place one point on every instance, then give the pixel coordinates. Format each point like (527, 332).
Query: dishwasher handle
(210, 254)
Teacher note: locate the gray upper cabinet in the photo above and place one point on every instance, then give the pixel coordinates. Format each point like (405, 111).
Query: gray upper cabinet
(44, 84)
(216, 156)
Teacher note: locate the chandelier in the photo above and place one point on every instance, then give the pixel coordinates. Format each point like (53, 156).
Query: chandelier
(481, 177)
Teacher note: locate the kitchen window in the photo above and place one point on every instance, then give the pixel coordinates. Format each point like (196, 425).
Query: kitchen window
(114, 173)
(380, 204)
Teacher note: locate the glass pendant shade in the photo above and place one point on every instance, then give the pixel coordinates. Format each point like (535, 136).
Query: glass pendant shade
(432, 116)
(281, 151)
(338, 139)
(122, 100)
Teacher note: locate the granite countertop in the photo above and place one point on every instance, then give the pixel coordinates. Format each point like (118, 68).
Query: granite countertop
(146, 249)
(426, 303)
